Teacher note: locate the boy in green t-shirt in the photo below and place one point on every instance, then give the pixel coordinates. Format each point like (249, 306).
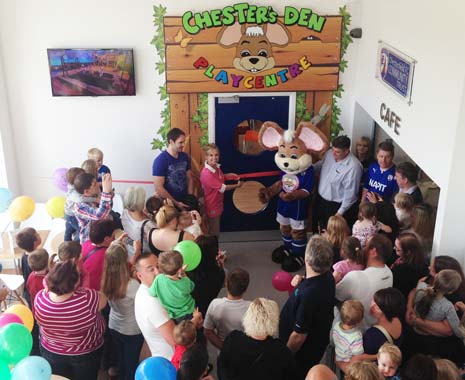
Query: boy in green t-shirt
(172, 287)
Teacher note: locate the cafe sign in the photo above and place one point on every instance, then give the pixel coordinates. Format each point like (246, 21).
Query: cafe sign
(246, 48)
(395, 69)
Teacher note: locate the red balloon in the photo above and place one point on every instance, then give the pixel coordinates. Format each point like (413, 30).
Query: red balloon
(7, 318)
(281, 281)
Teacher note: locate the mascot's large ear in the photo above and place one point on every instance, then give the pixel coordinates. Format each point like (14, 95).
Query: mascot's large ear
(270, 135)
(312, 137)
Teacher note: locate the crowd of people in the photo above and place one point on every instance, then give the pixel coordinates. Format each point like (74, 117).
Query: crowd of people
(368, 306)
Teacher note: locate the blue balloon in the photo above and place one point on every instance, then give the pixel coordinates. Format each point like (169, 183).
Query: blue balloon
(5, 199)
(32, 367)
(155, 368)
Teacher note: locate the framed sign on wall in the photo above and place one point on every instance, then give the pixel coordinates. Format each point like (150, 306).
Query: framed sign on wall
(395, 70)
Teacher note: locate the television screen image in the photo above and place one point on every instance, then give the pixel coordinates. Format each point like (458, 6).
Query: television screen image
(92, 72)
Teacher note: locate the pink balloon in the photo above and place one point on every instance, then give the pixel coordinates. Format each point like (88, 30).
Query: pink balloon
(59, 179)
(7, 318)
(281, 281)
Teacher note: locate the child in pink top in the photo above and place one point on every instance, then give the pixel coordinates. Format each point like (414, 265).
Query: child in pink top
(367, 225)
(352, 254)
(212, 180)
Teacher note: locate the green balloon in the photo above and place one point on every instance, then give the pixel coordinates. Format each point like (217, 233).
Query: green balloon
(190, 252)
(15, 343)
(5, 373)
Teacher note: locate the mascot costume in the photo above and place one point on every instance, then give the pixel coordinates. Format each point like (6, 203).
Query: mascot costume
(294, 158)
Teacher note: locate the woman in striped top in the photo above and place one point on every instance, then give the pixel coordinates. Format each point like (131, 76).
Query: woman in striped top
(71, 327)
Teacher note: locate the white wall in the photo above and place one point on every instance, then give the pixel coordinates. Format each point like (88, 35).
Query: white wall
(434, 36)
(41, 133)
(51, 132)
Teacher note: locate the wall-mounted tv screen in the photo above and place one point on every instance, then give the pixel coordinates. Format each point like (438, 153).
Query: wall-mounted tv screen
(92, 72)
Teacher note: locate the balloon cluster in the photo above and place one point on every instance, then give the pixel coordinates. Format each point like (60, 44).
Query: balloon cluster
(22, 208)
(155, 368)
(16, 324)
(281, 281)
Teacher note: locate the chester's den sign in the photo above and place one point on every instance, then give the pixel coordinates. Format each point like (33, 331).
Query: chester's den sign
(245, 47)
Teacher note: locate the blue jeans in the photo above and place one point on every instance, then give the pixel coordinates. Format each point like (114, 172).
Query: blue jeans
(128, 347)
(74, 367)
(72, 226)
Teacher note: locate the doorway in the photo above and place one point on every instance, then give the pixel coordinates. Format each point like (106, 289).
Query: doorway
(234, 122)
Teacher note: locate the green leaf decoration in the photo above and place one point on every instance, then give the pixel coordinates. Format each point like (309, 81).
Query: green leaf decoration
(346, 40)
(301, 111)
(158, 41)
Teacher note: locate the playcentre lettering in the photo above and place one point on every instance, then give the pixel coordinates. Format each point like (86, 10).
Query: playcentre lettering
(256, 81)
(245, 13)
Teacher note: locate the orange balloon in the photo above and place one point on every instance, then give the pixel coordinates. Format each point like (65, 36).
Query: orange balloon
(24, 313)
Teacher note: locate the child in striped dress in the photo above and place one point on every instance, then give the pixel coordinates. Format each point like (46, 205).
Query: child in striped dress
(346, 335)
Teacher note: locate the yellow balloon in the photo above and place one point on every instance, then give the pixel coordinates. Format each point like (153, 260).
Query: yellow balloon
(55, 207)
(21, 208)
(24, 313)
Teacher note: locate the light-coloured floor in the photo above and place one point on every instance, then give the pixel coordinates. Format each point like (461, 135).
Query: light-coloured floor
(251, 250)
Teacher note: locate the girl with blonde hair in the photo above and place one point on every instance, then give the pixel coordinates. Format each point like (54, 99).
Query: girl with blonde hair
(337, 230)
(121, 289)
(167, 235)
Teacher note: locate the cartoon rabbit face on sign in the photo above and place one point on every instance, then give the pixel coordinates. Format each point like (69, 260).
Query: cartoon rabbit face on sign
(254, 44)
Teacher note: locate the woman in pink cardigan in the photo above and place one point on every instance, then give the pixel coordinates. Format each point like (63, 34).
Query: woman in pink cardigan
(212, 180)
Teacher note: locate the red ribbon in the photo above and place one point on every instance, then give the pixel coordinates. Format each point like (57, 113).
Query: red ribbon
(228, 178)
(253, 175)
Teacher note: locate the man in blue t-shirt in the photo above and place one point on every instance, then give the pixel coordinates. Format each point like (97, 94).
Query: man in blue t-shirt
(171, 170)
(380, 183)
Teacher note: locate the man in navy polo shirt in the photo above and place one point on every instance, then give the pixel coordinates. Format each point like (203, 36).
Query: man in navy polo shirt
(171, 170)
(380, 183)
(307, 316)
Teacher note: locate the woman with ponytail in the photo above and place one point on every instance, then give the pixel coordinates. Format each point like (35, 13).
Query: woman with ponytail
(430, 306)
(166, 236)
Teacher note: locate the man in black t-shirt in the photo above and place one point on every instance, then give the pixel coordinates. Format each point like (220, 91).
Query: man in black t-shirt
(307, 316)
